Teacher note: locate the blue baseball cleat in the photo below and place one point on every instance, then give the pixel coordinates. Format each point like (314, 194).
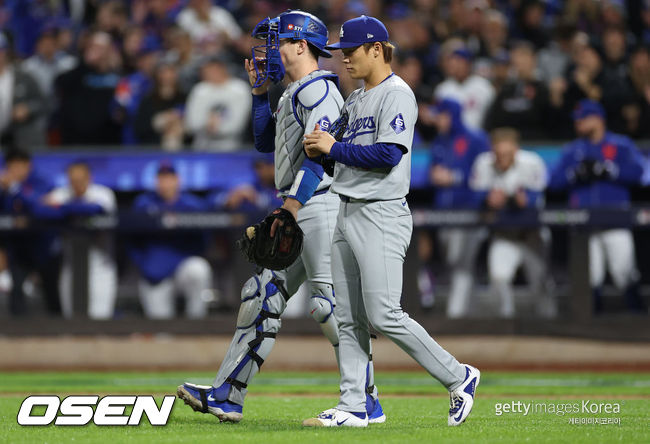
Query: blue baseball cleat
(374, 410)
(461, 400)
(201, 399)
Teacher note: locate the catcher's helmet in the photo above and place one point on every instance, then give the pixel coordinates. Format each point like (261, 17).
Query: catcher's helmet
(293, 24)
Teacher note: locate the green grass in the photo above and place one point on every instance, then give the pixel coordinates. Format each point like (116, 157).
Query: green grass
(278, 404)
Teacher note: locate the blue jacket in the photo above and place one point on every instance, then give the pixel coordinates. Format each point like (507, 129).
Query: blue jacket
(457, 152)
(616, 150)
(157, 255)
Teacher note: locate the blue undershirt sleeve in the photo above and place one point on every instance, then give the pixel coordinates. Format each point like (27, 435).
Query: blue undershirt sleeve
(378, 155)
(263, 124)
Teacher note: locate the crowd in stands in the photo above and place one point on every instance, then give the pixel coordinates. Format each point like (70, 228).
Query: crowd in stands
(169, 73)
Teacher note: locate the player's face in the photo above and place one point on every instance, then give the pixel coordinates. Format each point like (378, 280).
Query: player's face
(443, 122)
(504, 154)
(79, 178)
(357, 62)
(18, 170)
(585, 127)
(168, 185)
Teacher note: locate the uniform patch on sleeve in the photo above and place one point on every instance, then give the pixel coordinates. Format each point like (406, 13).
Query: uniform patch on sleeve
(324, 123)
(398, 124)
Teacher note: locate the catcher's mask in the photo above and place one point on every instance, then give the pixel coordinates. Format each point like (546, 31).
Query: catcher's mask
(293, 24)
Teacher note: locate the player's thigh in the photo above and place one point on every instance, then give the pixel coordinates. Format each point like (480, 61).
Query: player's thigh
(596, 259)
(157, 298)
(349, 310)
(192, 272)
(619, 253)
(317, 220)
(382, 236)
(504, 257)
(293, 276)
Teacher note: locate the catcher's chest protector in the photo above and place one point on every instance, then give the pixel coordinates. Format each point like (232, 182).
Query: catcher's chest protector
(289, 152)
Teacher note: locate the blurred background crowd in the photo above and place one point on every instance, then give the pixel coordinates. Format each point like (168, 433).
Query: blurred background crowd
(168, 75)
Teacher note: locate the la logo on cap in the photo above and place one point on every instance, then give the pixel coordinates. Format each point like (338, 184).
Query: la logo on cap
(369, 36)
(341, 33)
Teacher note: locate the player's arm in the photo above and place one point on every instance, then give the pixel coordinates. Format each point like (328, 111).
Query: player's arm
(629, 168)
(263, 122)
(480, 180)
(563, 175)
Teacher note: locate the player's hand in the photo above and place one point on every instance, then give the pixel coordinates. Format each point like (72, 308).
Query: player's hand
(292, 205)
(496, 199)
(252, 78)
(442, 176)
(318, 142)
(521, 198)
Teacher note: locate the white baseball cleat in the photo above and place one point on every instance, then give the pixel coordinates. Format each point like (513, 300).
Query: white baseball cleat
(461, 400)
(337, 418)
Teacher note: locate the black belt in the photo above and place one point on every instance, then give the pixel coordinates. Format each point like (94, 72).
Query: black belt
(347, 199)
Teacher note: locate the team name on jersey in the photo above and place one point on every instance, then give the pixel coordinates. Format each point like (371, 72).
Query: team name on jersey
(362, 125)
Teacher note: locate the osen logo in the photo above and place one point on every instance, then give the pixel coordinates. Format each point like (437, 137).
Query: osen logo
(78, 410)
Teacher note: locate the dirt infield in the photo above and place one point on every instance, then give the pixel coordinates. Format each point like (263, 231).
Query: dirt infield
(313, 353)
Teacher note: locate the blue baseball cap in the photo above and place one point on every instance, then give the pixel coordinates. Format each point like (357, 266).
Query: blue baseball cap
(360, 30)
(166, 167)
(586, 108)
(463, 53)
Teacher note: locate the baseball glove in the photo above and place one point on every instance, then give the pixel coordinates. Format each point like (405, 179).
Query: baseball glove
(337, 129)
(277, 252)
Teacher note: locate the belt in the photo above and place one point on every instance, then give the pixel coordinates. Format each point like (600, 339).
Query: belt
(347, 199)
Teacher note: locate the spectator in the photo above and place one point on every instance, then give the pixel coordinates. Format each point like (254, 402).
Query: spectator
(201, 18)
(523, 102)
(259, 196)
(170, 262)
(159, 119)
(48, 62)
(531, 23)
(82, 197)
(22, 106)
(639, 113)
(555, 58)
(475, 93)
(218, 108)
(85, 94)
(133, 87)
(21, 191)
(453, 154)
(598, 169)
(511, 179)
(494, 40)
(187, 58)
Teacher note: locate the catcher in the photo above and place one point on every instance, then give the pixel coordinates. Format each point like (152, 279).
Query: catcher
(293, 42)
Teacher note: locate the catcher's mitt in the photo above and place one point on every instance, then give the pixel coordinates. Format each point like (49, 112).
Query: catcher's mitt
(337, 130)
(277, 252)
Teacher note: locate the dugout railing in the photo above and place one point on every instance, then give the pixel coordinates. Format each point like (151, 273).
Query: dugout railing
(577, 320)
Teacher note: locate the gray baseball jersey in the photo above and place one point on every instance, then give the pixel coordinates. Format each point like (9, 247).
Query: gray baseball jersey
(384, 114)
(313, 99)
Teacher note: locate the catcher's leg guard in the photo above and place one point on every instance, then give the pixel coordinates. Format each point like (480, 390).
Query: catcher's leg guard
(263, 301)
(321, 308)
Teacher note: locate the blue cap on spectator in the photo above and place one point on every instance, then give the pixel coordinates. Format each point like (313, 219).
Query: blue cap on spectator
(447, 105)
(149, 44)
(166, 167)
(463, 53)
(586, 108)
(360, 30)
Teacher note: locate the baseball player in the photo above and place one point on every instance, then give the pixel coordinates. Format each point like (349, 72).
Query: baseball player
(453, 154)
(82, 197)
(293, 42)
(374, 225)
(598, 169)
(511, 179)
(170, 262)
